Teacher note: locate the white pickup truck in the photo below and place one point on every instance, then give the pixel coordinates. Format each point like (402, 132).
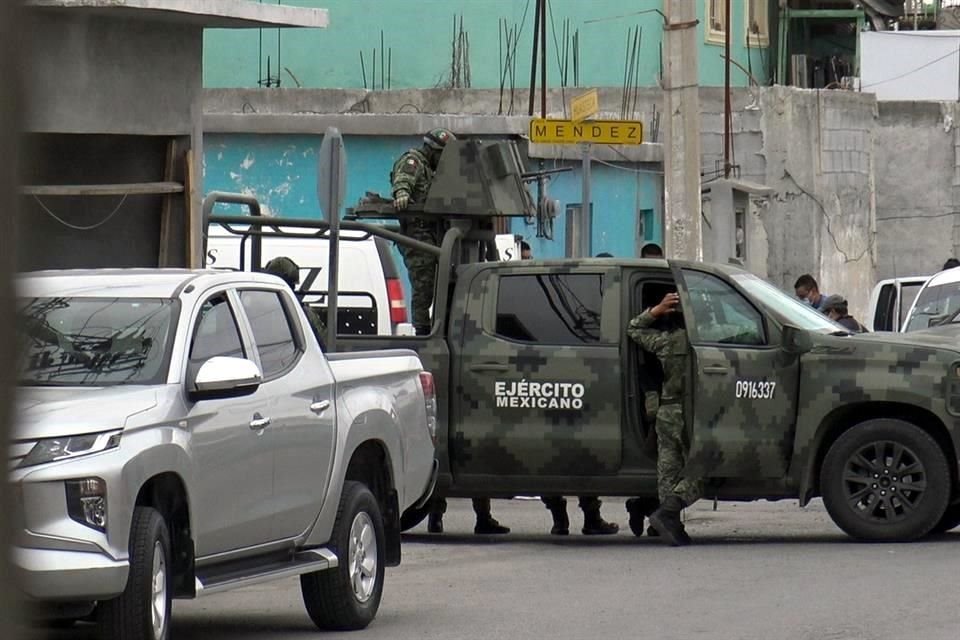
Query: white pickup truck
(182, 433)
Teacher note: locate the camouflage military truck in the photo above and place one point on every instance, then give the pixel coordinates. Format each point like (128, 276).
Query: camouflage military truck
(541, 392)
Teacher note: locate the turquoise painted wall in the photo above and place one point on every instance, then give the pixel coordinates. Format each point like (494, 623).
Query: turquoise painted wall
(281, 171)
(420, 34)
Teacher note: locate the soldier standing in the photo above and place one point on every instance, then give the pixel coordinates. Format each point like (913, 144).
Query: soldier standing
(288, 271)
(660, 331)
(640, 508)
(409, 181)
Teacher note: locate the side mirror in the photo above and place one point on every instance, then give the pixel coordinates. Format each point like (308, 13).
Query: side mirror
(225, 377)
(796, 340)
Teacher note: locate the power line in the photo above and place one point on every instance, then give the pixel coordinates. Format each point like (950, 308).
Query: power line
(79, 227)
(628, 169)
(907, 73)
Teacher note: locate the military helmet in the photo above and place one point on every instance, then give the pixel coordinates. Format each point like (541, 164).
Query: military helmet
(437, 139)
(284, 268)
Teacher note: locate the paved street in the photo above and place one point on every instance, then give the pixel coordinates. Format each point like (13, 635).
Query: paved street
(759, 571)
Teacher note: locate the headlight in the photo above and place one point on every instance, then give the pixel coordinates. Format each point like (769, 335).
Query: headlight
(53, 449)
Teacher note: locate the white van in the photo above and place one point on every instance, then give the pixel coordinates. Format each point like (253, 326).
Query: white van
(370, 295)
(937, 303)
(890, 301)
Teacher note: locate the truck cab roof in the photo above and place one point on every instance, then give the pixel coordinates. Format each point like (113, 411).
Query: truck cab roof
(129, 283)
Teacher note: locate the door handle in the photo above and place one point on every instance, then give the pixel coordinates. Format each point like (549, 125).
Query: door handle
(320, 407)
(259, 422)
(490, 366)
(716, 368)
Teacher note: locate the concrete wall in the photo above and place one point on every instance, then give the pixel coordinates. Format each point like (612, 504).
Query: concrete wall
(108, 75)
(107, 94)
(819, 154)
(419, 35)
(918, 186)
(66, 232)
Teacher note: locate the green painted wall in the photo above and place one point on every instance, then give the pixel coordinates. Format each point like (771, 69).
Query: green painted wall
(419, 35)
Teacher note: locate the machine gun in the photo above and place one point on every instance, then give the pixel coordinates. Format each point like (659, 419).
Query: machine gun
(475, 182)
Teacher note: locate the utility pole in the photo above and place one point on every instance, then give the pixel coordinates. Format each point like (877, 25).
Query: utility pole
(681, 105)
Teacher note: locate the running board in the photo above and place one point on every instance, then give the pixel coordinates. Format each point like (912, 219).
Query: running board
(302, 562)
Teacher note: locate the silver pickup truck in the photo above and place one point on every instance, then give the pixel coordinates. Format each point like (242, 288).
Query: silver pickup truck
(181, 433)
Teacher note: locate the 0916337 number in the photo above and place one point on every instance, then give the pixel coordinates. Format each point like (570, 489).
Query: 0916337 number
(755, 389)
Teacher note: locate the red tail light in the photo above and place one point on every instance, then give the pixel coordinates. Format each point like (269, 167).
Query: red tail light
(398, 306)
(426, 381)
(430, 400)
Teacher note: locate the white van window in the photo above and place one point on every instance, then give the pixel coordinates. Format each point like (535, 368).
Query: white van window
(937, 304)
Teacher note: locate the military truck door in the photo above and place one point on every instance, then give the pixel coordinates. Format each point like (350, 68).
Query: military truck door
(537, 360)
(744, 385)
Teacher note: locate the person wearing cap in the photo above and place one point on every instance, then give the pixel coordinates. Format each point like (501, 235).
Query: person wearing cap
(835, 307)
(288, 271)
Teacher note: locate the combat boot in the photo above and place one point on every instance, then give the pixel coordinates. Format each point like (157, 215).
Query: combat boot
(489, 525)
(435, 523)
(595, 525)
(640, 508)
(561, 523)
(666, 521)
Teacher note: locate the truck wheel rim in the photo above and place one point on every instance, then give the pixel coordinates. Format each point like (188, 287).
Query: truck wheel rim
(159, 591)
(363, 557)
(884, 482)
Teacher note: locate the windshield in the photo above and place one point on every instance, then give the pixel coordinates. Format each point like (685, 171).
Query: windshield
(936, 305)
(787, 307)
(93, 341)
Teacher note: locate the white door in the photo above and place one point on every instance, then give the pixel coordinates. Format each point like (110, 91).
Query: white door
(233, 466)
(299, 386)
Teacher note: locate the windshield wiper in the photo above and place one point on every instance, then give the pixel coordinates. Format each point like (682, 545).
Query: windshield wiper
(841, 332)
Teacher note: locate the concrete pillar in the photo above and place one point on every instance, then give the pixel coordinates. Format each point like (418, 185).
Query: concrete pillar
(681, 105)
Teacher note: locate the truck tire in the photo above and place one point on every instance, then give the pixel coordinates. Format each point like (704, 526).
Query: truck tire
(885, 480)
(412, 517)
(950, 520)
(142, 611)
(347, 597)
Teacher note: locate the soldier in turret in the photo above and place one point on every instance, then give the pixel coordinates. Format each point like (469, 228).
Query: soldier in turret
(409, 181)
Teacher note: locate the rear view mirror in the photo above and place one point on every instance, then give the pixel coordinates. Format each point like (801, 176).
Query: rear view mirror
(796, 340)
(225, 377)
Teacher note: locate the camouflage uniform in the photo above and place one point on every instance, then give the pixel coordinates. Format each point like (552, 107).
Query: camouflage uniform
(316, 324)
(411, 175)
(671, 347)
(288, 271)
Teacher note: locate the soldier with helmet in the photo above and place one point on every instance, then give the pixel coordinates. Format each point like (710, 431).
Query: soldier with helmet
(288, 271)
(409, 181)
